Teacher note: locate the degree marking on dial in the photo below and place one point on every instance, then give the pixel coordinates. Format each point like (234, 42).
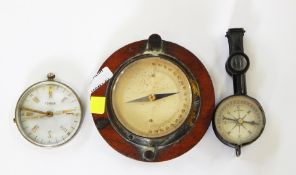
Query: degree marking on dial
(64, 99)
(50, 90)
(49, 134)
(63, 128)
(35, 128)
(238, 110)
(36, 138)
(36, 100)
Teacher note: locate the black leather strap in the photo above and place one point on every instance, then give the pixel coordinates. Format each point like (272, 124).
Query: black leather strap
(235, 40)
(238, 62)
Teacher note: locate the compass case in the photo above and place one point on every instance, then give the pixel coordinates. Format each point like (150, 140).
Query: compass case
(184, 137)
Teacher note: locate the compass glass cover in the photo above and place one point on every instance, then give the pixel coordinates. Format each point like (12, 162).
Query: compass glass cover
(151, 97)
(239, 120)
(48, 114)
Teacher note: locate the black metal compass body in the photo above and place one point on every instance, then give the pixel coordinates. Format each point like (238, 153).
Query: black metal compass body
(238, 119)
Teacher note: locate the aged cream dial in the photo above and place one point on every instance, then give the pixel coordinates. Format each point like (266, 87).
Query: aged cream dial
(151, 97)
(239, 120)
(48, 113)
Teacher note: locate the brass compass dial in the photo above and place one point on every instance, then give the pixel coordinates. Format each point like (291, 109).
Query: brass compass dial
(151, 97)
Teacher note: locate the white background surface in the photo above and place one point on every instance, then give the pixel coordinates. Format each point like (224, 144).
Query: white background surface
(73, 37)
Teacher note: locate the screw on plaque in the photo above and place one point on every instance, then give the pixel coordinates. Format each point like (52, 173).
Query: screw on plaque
(149, 154)
(101, 123)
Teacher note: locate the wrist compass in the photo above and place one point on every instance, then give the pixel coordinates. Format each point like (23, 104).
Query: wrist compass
(238, 119)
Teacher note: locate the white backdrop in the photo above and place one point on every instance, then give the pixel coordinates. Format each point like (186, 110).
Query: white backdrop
(73, 37)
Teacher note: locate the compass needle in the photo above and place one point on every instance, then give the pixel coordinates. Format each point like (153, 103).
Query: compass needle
(152, 97)
(229, 119)
(251, 122)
